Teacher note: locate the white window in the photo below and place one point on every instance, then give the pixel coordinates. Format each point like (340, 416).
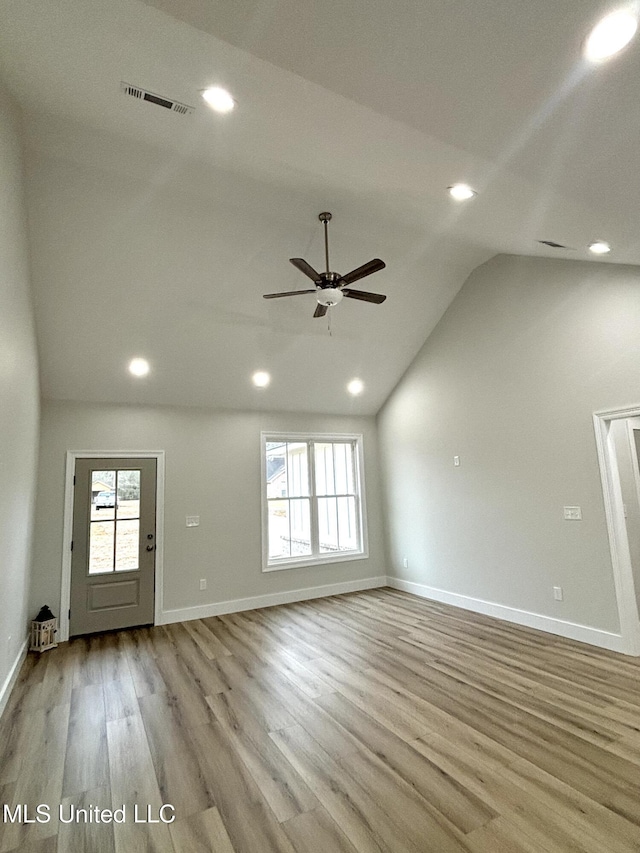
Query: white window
(313, 501)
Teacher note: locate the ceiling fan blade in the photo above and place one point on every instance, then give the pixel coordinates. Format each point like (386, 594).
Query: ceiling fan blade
(363, 295)
(366, 269)
(306, 268)
(321, 310)
(286, 293)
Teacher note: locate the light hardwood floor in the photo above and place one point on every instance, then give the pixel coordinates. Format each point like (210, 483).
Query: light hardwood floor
(368, 722)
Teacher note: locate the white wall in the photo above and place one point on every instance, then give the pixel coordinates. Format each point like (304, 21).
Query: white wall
(19, 395)
(508, 381)
(212, 470)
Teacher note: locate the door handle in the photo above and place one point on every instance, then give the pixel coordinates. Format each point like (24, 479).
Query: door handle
(150, 547)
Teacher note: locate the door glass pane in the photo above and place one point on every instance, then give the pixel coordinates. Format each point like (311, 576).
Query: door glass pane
(103, 495)
(279, 536)
(128, 492)
(297, 469)
(300, 519)
(127, 545)
(347, 527)
(327, 525)
(324, 469)
(101, 540)
(276, 473)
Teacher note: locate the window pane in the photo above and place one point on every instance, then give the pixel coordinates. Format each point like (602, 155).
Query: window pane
(347, 524)
(103, 495)
(128, 492)
(127, 545)
(279, 538)
(300, 517)
(324, 469)
(342, 454)
(101, 534)
(297, 469)
(327, 525)
(276, 472)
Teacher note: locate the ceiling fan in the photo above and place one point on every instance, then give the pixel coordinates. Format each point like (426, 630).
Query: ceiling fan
(331, 287)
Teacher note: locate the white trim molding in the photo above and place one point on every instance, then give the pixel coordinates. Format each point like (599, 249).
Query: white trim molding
(571, 630)
(12, 677)
(67, 534)
(237, 605)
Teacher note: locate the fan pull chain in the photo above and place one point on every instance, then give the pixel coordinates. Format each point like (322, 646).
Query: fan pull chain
(329, 322)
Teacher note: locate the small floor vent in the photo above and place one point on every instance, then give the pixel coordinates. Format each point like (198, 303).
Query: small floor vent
(159, 100)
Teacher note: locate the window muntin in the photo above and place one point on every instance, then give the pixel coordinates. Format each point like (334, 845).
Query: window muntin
(313, 500)
(114, 531)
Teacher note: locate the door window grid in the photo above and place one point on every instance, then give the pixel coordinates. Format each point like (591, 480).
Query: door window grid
(114, 528)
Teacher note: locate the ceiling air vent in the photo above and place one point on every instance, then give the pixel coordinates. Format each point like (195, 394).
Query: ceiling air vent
(553, 244)
(159, 100)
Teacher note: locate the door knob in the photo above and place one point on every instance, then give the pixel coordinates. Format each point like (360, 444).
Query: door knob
(149, 535)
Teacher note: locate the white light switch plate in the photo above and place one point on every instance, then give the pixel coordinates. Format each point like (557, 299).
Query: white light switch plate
(573, 513)
(456, 461)
(193, 520)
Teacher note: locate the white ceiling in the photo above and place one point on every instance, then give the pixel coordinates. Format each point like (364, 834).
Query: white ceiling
(156, 234)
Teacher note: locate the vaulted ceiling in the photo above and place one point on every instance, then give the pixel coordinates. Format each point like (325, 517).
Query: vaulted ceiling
(156, 234)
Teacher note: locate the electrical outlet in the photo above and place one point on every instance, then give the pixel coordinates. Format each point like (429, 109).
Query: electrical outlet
(558, 593)
(193, 520)
(203, 583)
(405, 562)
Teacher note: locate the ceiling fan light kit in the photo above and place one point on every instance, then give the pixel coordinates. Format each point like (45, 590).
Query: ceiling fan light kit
(331, 287)
(330, 296)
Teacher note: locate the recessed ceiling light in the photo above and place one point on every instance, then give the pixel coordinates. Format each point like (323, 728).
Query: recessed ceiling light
(610, 35)
(139, 366)
(261, 379)
(355, 387)
(599, 247)
(219, 99)
(461, 192)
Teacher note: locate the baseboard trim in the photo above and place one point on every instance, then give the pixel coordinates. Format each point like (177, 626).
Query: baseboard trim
(237, 605)
(12, 677)
(570, 630)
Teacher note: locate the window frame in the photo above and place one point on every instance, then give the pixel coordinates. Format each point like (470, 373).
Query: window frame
(315, 559)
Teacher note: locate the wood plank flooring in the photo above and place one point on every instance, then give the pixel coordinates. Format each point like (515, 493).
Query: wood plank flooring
(374, 722)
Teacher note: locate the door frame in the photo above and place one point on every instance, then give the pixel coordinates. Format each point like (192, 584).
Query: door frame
(67, 534)
(617, 525)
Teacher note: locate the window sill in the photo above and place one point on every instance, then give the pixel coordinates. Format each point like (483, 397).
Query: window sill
(310, 562)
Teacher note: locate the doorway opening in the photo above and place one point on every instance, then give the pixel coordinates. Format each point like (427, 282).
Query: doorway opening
(609, 424)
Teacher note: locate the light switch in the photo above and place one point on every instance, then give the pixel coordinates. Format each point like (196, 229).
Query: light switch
(573, 513)
(456, 461)
(193, 520)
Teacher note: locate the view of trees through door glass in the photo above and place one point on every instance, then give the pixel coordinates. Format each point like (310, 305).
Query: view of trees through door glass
(313, 504)
(114, 536)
